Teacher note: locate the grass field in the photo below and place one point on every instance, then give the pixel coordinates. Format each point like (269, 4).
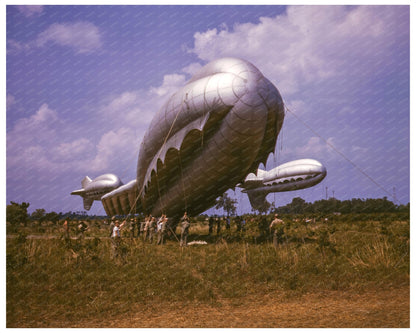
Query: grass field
(344, 273)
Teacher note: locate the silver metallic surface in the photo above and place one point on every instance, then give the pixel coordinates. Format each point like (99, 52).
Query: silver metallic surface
(206, 138)
(291, 176)
(95, 189)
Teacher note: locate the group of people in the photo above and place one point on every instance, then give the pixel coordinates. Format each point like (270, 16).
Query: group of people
(81, 229)
(217, 222)
(150, 228)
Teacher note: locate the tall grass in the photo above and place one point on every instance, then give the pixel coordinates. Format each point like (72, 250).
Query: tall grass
(76, 279)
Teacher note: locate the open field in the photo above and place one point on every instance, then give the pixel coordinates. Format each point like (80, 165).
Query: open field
(344, 273)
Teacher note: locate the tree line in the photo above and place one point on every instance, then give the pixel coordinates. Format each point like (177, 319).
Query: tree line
(333, 205)
(17, 213)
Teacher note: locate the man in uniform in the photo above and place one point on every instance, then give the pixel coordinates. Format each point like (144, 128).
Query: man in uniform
(151, 228)
(277, 229)
(185, 223)
(82, 227)
(211, 225)
(138, 225)
(112, 224)
(116, 237)
(66, 229)
(145, 226)
(132, 226)
(161, 229)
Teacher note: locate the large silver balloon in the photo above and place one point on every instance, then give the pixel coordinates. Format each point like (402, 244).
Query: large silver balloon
(206, 138)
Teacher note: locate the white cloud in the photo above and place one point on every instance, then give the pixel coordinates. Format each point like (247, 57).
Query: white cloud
(28, 141)
(171, 83)
(44, 141)
(315, 147)
(136, 109)
(39, 127)
(79, 148)
(31, 10)
(192, 68)
(37, 143)
(118, 147)
(83, 37)
(14, 46)
(307, 44)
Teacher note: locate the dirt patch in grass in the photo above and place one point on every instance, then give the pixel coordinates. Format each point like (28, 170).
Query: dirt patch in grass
(335, 309)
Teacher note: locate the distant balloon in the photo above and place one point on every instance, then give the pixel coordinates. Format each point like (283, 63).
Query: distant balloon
(291, 176)
(206, 138)
(95, 189)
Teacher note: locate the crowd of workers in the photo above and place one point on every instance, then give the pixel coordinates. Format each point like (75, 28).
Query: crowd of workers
(156, 230)
(150, 229)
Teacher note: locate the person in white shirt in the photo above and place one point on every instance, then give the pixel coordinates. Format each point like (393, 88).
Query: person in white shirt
(116, 237)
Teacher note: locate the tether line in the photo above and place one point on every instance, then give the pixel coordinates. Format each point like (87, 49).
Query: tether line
(340, 153)
(160, 151)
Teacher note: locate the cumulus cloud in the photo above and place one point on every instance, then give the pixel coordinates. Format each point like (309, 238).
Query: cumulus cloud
(80, 148)
(170, 84)
(116, 147)
(192, 68)
(308, 43)
(39, 127)
(44, 141)
(83, 37)
(40, 142)
(315, 147)
(136, 109)
(14, 46)
(31, 10)
(28, 141)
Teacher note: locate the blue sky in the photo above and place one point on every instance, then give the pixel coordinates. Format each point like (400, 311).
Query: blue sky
(83, 83)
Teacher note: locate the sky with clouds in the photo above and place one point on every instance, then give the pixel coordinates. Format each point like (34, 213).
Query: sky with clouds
(83, 83)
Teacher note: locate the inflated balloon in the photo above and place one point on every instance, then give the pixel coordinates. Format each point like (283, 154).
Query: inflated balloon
(206, 138)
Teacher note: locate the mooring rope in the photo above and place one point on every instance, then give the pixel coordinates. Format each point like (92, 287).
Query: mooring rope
(340, 153)
(160, 151)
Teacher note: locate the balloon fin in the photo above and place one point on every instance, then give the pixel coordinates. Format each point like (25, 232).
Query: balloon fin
(88, 203)
(86, 181)
(258, 200)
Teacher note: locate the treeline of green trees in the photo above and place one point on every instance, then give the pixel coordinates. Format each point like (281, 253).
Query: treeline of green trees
(333, 205)
(17, 213)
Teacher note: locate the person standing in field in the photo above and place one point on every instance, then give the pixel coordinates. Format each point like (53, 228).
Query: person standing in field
(116, 237)
(145, 225)
(66, 229)
(185, 223)
(210, 225)
(82, 228)
(138, 226)
(151, 228)
(161, 229)
(132, 227)
(112, 224)
(218, 221)
(277, 229)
